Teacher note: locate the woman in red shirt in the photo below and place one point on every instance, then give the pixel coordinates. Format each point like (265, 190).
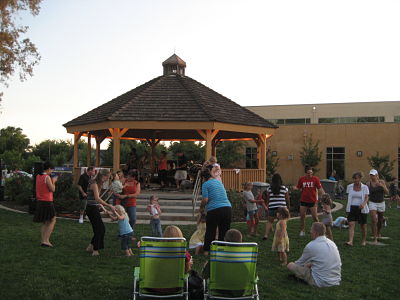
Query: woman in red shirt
(45, 212)
(131, 190)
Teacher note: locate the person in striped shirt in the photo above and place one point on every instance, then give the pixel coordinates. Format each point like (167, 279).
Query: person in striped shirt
(276, 196)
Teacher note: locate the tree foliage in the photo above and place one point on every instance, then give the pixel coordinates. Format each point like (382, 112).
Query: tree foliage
(193, 151)
(13, 147)
(230, 154)
(17, 53)
(310, 154)
(383, 165)
(272, 164)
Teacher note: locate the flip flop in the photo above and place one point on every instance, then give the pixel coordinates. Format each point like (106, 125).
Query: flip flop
(46, 245)
(348, 244)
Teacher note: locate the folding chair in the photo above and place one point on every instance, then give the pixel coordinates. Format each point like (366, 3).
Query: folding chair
(162, 268)
(232, 271)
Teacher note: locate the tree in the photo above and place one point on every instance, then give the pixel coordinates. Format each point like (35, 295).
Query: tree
(272, 164)
(12, 139)
(193, 151)
(310, 154)
(13, 147)
(383, 165)
(17, 53)
(58, 152)
(230, 154)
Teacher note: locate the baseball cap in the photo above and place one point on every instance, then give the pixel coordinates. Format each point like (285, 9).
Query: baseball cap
(373, 172)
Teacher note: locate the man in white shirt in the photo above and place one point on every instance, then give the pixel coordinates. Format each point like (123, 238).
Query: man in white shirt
(320, 264)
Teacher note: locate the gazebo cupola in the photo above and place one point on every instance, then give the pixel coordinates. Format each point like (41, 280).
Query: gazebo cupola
(174, 65)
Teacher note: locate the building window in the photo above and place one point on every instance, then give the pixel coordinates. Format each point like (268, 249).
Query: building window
(251, 158)
(397, 119)
(335, 161)
(344, 120)
(290, 121)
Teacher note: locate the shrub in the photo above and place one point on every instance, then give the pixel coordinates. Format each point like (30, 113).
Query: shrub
(236, 200)
(294, 199)
(19, 189)
(66, 196)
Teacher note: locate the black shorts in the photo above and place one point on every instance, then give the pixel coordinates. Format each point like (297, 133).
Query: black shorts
(355, 215)
(307, 204)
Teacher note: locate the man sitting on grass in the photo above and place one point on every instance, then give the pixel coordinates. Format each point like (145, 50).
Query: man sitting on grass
(320, 264)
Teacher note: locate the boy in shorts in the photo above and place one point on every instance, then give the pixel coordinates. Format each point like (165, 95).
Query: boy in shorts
(309, 185)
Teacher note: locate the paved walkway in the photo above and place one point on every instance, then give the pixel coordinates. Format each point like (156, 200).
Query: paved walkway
(338, 206)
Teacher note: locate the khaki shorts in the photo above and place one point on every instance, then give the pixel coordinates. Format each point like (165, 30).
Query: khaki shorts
(380, 207)
(303, 273)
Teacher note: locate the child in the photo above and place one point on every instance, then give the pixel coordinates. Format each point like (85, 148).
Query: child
(174, 231)
(261, 209)
(125, 229)
(232, 236)
(280, 243)
(327, 215)
(116, 187)
(216, 171)
(251, 205)
(155, 211)
(341, 222)
(197, 239)
(394, 194)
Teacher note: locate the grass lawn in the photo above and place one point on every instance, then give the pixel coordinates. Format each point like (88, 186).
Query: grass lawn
(29, 271)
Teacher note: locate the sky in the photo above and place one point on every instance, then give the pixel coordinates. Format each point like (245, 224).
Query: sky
(255, 52)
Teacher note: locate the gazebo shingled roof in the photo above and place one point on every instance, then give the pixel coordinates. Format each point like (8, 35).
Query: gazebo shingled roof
(171, 107)
(172, 98)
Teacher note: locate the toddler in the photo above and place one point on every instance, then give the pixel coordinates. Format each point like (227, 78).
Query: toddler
(116, 187)
(155, 211)
(327, 215)
(251, 205)
(174, 231)
(125, 229)
(280, 243)
(197, 239)
(341, 222)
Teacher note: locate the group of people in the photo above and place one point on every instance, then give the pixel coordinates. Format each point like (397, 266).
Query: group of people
(320, 264)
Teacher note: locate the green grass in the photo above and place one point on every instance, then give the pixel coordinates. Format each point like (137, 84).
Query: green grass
(67, 272)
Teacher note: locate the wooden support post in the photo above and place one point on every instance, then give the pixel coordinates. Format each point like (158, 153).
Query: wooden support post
(99, 140)
(89, 150)
(208, 135)
(262, 154)
(117, 133)
(77, 136)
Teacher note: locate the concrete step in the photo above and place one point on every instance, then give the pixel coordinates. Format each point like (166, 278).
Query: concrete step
(163, 202)
(169, 209)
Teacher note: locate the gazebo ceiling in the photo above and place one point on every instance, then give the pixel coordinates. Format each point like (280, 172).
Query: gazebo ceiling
(172, 107)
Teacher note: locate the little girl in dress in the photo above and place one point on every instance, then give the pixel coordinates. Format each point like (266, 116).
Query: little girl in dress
(280, 243)
(327, 215)
(197, 239)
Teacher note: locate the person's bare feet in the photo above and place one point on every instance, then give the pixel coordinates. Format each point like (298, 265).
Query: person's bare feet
(95, 253)
(348, 244)
(363, 243)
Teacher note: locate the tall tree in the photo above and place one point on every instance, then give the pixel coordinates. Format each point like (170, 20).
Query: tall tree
(310, 154)
(17, 53)
(12, 139)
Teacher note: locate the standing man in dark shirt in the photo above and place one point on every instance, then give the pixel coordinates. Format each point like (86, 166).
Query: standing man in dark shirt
(83, 184)
(181, 169)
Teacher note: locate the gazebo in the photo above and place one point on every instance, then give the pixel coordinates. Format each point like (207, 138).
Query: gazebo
(174, 107)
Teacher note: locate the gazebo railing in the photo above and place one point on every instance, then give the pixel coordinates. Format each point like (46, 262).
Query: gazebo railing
(234, 179)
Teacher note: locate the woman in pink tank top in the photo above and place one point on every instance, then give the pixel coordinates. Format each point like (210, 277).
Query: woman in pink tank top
(45, 212)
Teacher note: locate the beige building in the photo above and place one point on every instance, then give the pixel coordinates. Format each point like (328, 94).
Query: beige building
(348, 133)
